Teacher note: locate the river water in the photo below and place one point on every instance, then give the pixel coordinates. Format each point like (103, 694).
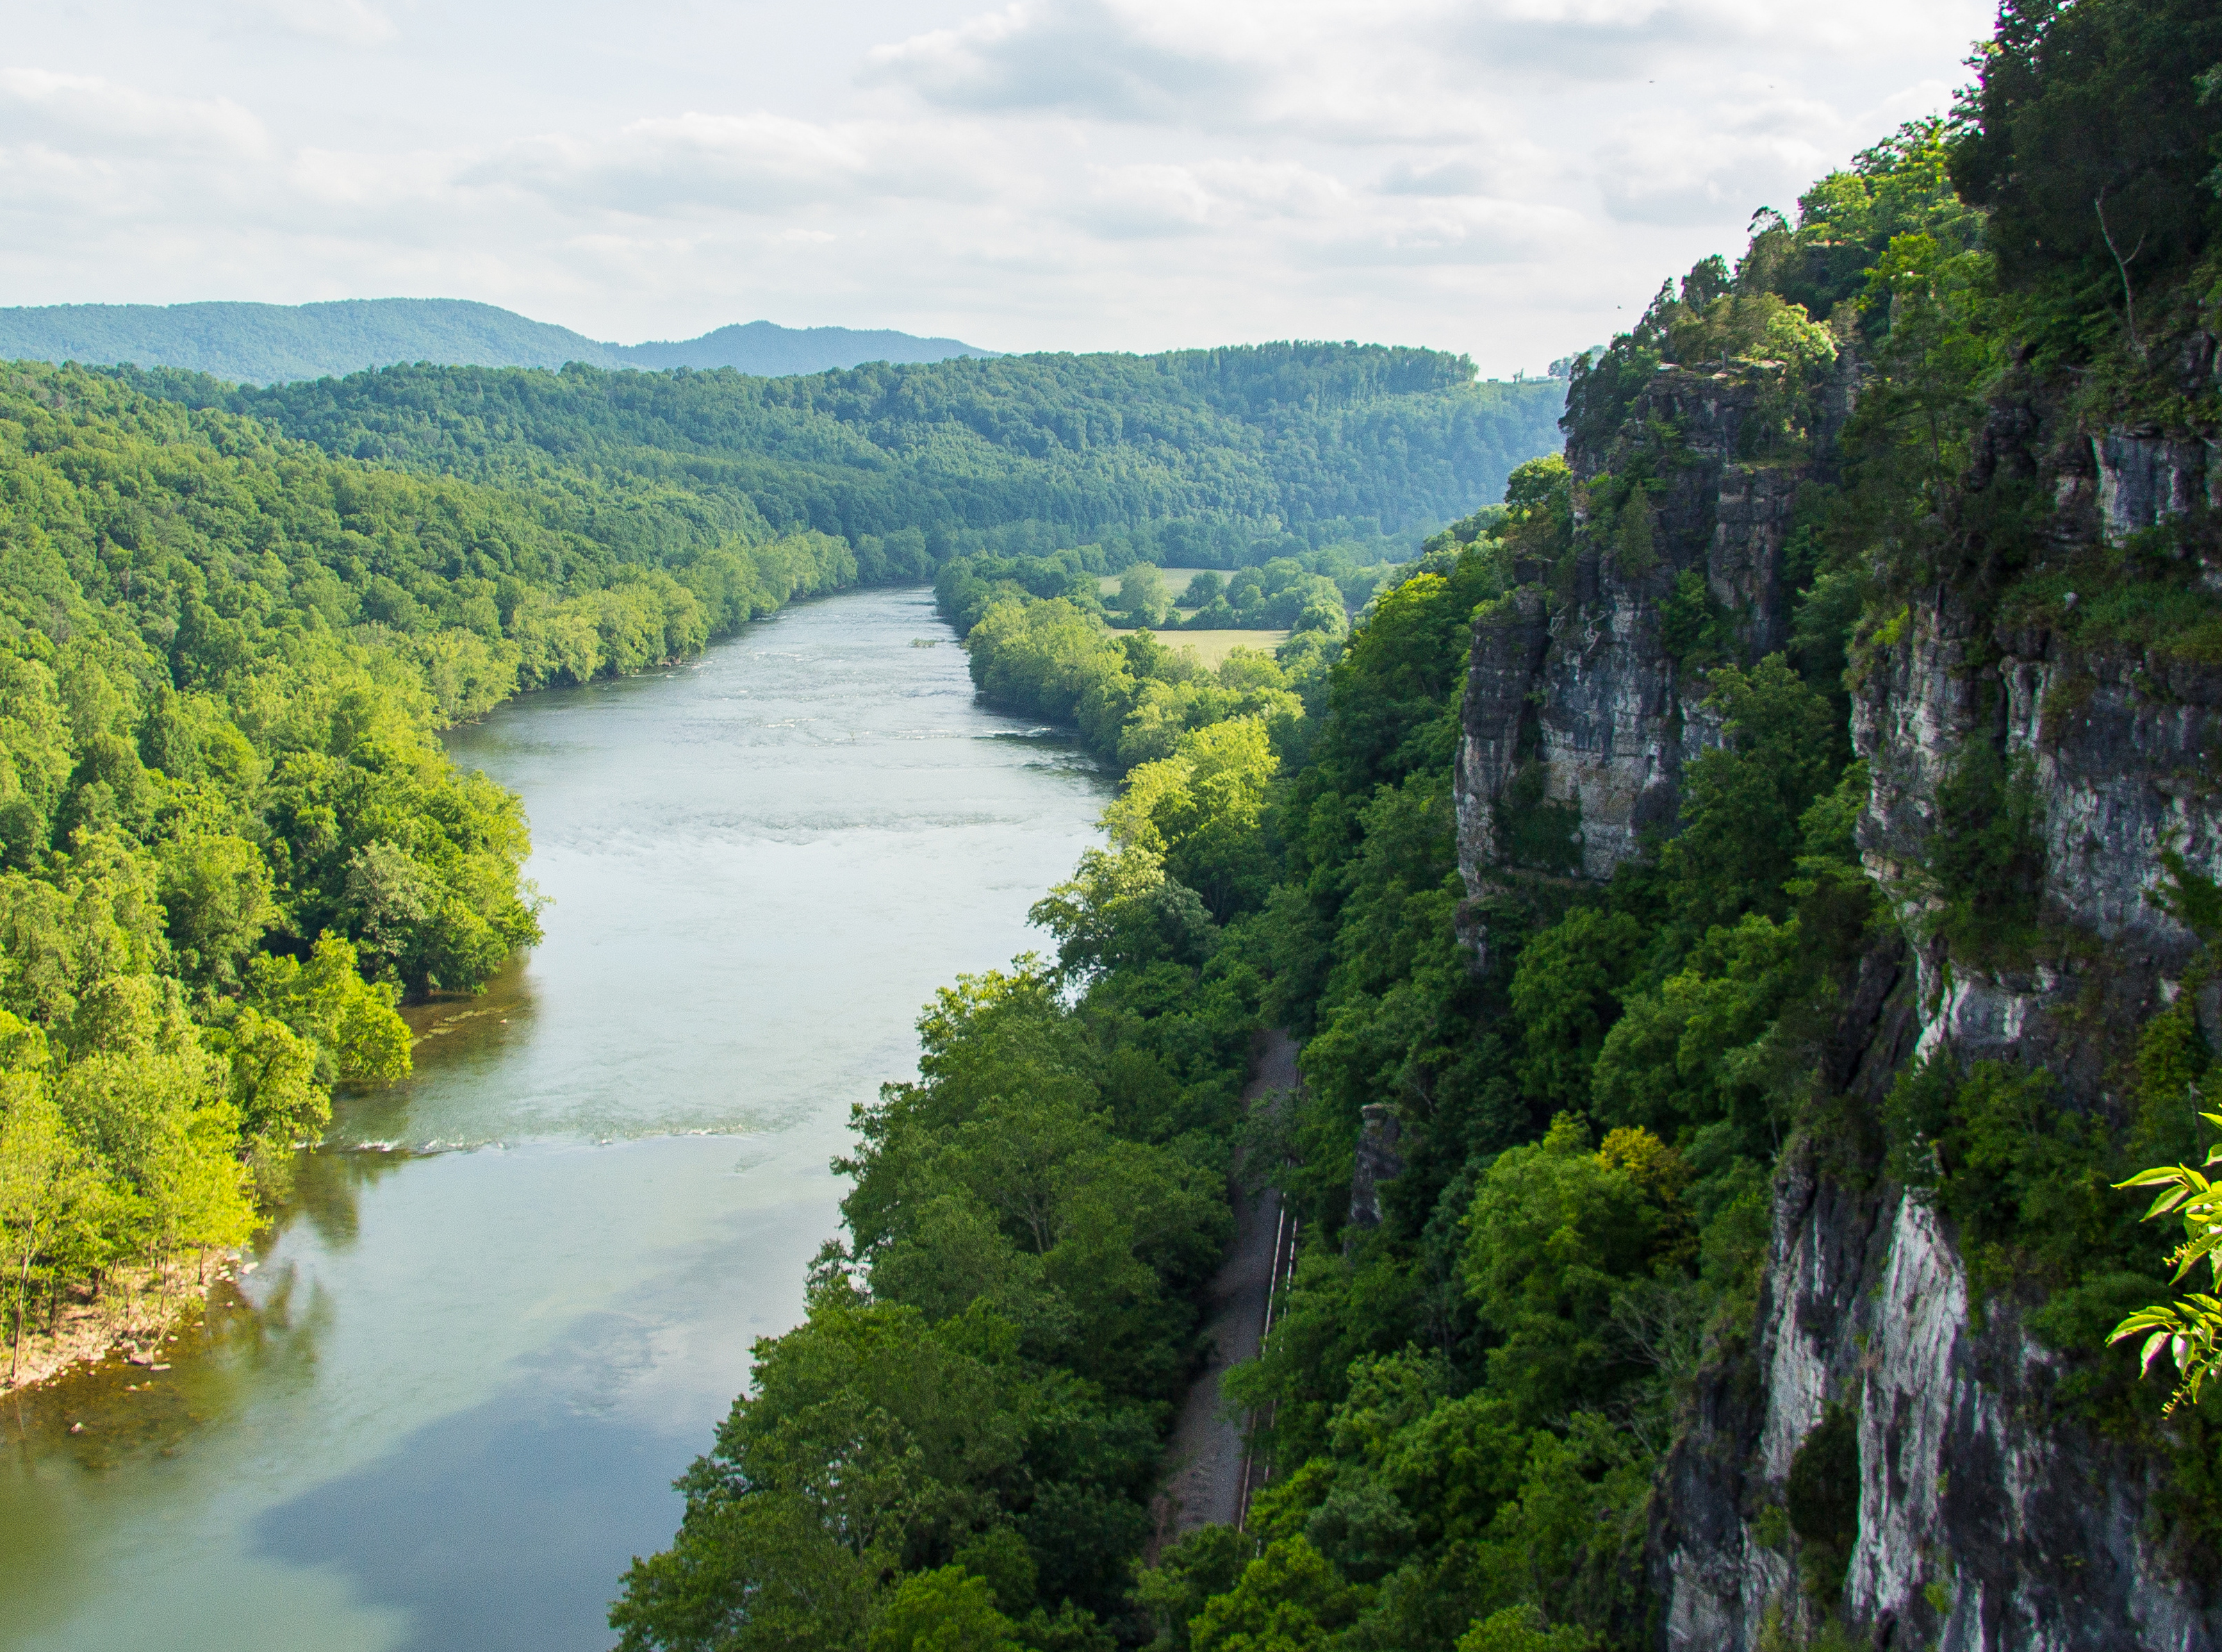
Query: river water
(513, 1295)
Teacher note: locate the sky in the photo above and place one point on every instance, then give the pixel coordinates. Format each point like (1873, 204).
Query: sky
(1511, 178)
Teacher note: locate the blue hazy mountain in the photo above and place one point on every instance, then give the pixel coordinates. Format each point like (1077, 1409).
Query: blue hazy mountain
(268, 344)
(764, 348)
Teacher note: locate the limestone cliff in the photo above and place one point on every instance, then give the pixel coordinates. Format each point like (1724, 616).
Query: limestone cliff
(1576, 719)
(1987, 1514)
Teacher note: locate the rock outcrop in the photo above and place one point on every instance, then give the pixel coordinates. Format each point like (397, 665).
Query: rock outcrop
(1378, 1161)
(1989, 1516)
(1574, 688)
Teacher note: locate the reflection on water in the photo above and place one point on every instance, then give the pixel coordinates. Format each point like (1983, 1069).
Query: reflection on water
(327, 1194)
(407, 1524)
(125, 1414)
(444, 1408)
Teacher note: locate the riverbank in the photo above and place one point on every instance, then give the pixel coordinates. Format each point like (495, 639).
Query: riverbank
(513, 1296)
(134, 1311)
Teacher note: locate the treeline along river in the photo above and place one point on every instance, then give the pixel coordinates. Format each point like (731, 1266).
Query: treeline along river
(512, 1294)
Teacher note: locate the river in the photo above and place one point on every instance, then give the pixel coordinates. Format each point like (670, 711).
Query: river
(513, 1296)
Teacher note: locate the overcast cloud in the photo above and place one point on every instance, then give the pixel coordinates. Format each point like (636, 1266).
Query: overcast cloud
(1509, 178)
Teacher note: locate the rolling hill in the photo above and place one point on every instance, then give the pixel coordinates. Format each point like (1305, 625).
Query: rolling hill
(272, 343)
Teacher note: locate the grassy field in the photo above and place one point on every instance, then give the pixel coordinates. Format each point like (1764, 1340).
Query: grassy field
(1210, 647)
(1176, 581)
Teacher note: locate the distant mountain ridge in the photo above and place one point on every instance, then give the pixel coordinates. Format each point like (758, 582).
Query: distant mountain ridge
(273, 343)
(768, 349)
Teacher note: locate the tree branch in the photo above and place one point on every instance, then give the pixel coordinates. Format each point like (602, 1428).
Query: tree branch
(2122, 264)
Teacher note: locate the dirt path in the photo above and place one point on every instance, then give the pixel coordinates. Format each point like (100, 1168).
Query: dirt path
(1204, 1461)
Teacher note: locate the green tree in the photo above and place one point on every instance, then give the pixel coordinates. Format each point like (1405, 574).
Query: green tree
(1207, 1561)
(2089, 143)
(1524, 1629)
(352, 1021)
(943, 1611)
(216, 894)
(898, 1438)
(273, 1084)
(1143, 598)
(1743, 803)
(1201, 809)
(2189, 1330)
(1566, 995)
(44, 1173)
(1119, 910)
(1555, 1231)
(761, 1574)
(160, 1123)
(1289, 1600)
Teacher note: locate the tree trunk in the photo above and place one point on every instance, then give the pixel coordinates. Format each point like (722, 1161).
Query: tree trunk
(22, 1294)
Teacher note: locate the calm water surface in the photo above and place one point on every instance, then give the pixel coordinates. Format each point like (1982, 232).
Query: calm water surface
(514, 1294)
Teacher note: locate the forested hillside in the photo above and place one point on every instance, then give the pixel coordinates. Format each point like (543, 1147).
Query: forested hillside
(232, 620)
(228, 839)
(1748, 899)
(1197, 458)
(768, 349)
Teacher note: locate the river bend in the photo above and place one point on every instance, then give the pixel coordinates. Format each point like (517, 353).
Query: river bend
(513, 1295)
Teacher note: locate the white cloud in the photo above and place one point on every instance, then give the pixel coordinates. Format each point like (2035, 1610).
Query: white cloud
(1454, 176)
(1646, 40)
(338, 23)
(1144, 200)
(1165, 199)
(1762, 148)
(1465, 232)
(345, 182)
(1274, 189)
(1506, 177)
(754, 164)
(1336, 73)
(1089, 58)
(88, 115)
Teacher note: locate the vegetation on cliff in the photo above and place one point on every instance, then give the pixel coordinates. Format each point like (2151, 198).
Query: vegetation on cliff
(1470, 1392)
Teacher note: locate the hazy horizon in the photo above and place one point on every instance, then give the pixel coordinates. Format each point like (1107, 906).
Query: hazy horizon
(1510, 178)
(454, 298)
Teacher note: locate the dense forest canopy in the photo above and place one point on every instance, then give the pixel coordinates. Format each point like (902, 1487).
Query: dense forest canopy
(231, 621)
(1468, 1398)
(1190, 457)
(228, 839)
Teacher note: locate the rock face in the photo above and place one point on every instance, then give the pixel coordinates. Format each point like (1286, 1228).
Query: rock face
(1989, 1519)
(1975, 1531)
(1576, 691)
(1378, 1161)
(1980, 1528)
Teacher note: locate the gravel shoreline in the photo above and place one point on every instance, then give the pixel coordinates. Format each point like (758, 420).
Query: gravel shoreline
(134, 1312)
